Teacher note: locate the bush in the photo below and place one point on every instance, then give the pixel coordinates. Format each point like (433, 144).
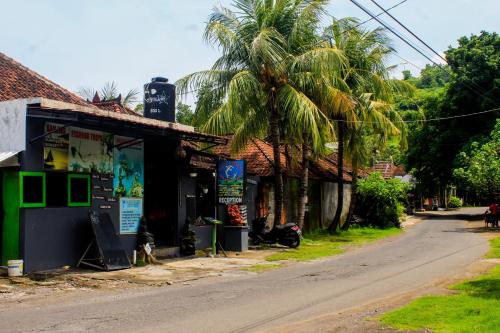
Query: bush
(454, 202)
(380, 201)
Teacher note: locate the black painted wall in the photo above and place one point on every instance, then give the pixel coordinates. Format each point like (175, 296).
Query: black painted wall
(53, 237)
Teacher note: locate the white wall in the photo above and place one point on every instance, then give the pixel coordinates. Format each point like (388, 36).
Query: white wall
(329, 202)
(13, 126)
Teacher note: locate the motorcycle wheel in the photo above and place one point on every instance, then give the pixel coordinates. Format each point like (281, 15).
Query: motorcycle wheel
(292, 241)
(295, 243)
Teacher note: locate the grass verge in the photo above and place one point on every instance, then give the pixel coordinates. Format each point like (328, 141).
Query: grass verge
(495, 248)
(321, 244)
(259, 268)
(476, 307)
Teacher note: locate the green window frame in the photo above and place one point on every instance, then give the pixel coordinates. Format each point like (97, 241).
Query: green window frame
(78, 203)
(23, 204)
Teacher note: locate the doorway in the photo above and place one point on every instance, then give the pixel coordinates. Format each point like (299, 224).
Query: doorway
(161, 191)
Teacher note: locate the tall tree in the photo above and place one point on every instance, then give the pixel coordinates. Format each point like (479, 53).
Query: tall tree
(368, 80)
(270, 58)
(473, 86)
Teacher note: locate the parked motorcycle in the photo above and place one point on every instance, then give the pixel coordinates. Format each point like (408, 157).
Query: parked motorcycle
(287, 234)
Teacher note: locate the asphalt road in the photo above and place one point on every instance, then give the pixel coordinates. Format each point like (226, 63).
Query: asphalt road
(430, 250)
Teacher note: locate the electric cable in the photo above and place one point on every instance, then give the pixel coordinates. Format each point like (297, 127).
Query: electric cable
(426, 120)
(379, 14)
(369, 13)
(479, 88)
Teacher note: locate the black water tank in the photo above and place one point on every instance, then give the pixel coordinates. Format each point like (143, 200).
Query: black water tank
(159, 100)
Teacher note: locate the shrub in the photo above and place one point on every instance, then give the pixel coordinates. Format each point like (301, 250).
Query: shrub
(454, 202)
(380, 201)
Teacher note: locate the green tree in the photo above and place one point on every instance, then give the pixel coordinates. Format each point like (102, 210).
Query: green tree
(479, 169)
(473, 86)
(433, 76)
(184, 114)
(270, 63)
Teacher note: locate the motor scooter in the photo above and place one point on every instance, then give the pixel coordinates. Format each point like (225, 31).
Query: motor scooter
(286, 234)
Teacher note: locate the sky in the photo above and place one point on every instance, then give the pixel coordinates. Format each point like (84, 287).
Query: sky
(85, 43)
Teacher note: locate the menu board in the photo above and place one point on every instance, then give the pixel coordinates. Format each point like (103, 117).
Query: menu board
(102, 194)
(231, 181)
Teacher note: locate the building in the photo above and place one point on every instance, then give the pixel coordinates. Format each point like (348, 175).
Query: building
(61, 155)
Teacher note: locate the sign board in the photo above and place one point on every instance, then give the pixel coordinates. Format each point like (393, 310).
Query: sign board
(55, 147)
(90, 151)
(112, 255)
(231, 181)
(128, 160)
(130, 215)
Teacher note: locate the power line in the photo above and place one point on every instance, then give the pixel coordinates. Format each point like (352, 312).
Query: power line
(360, 6)
(479, 88)
(379, 14)
(411, 32)
(427, 120)
(414, 47)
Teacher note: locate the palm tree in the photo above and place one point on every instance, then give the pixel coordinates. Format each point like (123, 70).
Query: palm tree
(373, 91)
(110, 91)
(271, 57)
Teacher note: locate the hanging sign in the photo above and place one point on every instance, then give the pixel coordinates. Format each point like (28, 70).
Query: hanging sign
(128, 167)
(231, 181)
(130, 215)
(90, 151)
(55, 147)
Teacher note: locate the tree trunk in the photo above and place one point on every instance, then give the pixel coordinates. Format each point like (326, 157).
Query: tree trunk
(354, 196)
(278, 176)
(304, 184)
(286, 183)
(340, 166)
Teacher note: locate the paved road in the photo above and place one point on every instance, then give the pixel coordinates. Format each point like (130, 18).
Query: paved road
(430, 250)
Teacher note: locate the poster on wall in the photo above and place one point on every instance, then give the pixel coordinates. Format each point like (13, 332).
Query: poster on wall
(90, 151)
(55, 147)
(130, 215)
(128, 168)
(231, 181)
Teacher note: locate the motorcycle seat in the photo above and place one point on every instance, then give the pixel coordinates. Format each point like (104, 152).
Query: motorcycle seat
(283, 226)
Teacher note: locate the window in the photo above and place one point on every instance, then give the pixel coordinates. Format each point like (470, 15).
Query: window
(32, 189)
(78, 190)
(57, 189)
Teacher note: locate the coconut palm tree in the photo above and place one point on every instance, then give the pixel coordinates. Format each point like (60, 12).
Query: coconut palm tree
(110, 91)
(373, 91)
(272, 62)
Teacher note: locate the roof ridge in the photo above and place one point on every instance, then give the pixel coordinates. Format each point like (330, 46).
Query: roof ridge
(43, 78)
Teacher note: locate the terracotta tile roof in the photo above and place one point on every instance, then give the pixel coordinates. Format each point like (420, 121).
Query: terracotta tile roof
(18, 81)
(114, 105)
(388, 169)
(260, 162)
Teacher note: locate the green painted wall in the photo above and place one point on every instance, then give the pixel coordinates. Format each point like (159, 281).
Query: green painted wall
(10, 232)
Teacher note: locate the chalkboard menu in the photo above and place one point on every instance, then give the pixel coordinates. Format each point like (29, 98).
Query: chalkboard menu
(102, 194)
(231, 181)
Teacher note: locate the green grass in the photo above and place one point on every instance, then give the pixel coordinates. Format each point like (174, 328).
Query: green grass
(320, 244)
(259, 268)
(495, 248)
(476, 307)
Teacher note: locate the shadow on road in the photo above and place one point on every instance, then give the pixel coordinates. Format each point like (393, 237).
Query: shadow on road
(452, 216)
